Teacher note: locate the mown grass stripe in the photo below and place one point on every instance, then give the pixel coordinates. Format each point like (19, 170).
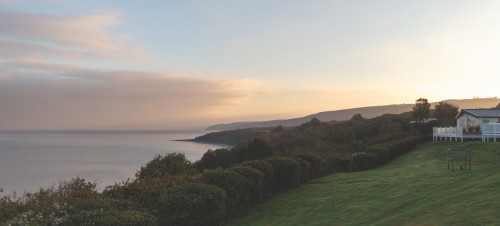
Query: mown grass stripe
(414, 189)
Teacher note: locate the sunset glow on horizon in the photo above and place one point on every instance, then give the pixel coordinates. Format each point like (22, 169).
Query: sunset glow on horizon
(152, 65)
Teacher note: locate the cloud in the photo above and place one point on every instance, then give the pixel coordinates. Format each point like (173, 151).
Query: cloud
(64, 30)
(26, 36)
(7, 2)
(16, 50)
(49, 80)
(69, 98)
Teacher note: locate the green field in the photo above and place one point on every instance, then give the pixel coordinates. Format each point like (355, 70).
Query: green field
(414, 189)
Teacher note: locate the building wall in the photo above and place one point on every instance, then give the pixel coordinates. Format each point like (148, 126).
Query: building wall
(466, 120)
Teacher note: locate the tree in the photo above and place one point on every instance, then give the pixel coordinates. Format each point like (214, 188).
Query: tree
(256, 150)
(357, 117)
(445, 113)
(497, 107)
(161, 165)
(421, 110)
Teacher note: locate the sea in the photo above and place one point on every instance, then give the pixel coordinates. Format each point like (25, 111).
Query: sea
(31, 160)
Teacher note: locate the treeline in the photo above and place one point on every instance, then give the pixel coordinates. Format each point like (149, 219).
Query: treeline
(232, 137)
(170, 190)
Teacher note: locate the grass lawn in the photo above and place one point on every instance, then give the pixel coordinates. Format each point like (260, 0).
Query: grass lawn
(414, 189)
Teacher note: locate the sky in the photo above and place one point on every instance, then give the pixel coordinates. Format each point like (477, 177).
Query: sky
(154, 65)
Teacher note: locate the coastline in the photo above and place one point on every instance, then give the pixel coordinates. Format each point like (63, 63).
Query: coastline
(213, 146)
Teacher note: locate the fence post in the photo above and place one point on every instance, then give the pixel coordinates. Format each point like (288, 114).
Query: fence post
(495, 131)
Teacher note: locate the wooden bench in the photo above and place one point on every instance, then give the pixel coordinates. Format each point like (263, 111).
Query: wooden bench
(458, 155)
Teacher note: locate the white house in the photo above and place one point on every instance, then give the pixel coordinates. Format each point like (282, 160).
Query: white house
(477, 117)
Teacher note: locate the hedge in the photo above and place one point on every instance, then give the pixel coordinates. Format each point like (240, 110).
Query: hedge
(387, 151)
(255, 182)
(234, 184)
(267, 169)
(383, 154)
(332, 165)
(364, 161)
(315, 163)
(304, 170)
(110, 217)
(402, 146)
(193, 204)
(287, 172)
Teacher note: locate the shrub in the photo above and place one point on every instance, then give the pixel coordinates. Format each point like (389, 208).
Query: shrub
(304, 170)
(111, 217)
(170, 164)
(314, 161)
(383, 154)
(255, 150)
(219, 158)
(255, 182)
(286, 172)
(52, 205)
(401, 146)
(193, 204)
(146, 191)
(232, 183)
(364, 161)
(338, 165)
(9, 207)
(267, 170)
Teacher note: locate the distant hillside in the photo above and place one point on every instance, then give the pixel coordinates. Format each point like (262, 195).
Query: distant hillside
(367, 112)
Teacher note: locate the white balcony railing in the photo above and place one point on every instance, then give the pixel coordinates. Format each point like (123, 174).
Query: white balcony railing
(447, 133)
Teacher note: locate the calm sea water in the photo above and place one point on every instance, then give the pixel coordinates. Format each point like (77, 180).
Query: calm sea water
(30, 160)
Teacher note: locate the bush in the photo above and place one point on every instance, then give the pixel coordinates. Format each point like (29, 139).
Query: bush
(267, 170)
(255, 182)
(286, 172)
(337, 165)
(170, 164)
(304, 170)
(383, 154)
(9, 207)
(255, 150)
(146, 191)
(401, 146)
(232, 183)
(193, 204)
(314, 161)
(111, 217)
(219, 158)
(364, 161)
(52, 205)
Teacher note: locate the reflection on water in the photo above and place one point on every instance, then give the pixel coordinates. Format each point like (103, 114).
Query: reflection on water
(30, 160)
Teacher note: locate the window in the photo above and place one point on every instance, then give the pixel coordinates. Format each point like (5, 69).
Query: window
(486, 121)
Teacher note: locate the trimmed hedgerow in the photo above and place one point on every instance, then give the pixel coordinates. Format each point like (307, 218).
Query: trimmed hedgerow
(314, 160)
(287, 172)
(193, 204)
(234, 184)
(255, 182)
(332, 165)
(304, 170)
(383, 154)
(267, 170)
(402, 146)
(111, 217)
(364, 161)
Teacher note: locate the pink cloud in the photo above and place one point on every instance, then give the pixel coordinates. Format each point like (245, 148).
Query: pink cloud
(65, 98)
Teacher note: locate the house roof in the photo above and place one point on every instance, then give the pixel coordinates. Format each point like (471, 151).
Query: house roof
(481, 113)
